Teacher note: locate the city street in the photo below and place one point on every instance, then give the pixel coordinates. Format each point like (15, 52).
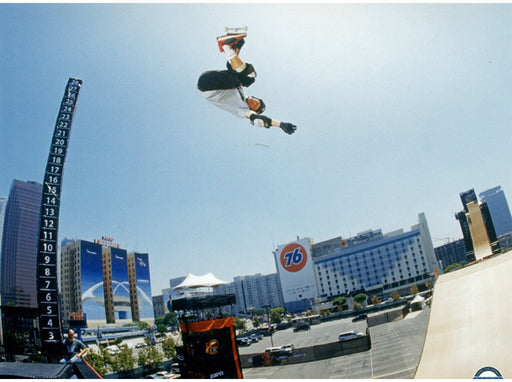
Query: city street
(395, 353)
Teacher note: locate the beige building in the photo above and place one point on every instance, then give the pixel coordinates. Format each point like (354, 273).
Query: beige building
(481, 242)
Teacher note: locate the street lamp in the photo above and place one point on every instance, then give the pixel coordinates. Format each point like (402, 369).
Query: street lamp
(269, 325)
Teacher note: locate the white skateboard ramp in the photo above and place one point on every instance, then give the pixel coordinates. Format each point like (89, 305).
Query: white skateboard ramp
(470, 323)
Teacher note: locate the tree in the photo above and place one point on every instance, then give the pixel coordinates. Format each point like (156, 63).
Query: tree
(107, 358)
(169, 348)
(239, 324)
(360, 298)
(375, 300)
(124, 360)
(97, 361)
(141, 324)
(161, 328)
(150, 356)
(395, 295)
(170, 319)
(414, 290)
(275, 315)
(357, 306)
(339, 302)
(452, 267)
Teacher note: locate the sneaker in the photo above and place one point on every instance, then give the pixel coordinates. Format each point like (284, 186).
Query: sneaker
(234, 40)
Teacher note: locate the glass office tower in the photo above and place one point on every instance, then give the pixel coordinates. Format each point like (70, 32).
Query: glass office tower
(19, 244)
(499, 210)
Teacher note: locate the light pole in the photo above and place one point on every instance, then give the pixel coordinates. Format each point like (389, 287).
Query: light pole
(270, 328)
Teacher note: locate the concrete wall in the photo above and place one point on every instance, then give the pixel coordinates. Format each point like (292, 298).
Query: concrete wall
(312, 353)
(386, 317)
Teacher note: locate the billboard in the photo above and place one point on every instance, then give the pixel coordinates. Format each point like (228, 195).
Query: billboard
(93, 301)
(294, 263)
(143, 284)
(120, 283)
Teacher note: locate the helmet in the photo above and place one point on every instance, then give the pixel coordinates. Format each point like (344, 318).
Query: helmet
(261, 109)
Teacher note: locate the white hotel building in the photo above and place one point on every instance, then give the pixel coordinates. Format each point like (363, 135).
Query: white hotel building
(371, 262)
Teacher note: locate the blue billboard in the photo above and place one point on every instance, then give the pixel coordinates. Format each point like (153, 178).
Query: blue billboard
(120, 284)
(92, 280)
(143, 283)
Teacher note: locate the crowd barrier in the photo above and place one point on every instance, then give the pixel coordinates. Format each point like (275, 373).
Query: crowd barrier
(308, 354)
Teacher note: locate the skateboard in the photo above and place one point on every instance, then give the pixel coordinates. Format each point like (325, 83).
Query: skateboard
(231, 30)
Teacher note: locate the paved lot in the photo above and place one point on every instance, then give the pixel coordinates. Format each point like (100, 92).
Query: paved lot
(395, 353)
(319, 334)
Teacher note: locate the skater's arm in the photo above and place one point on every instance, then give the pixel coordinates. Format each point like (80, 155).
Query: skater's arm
(264, 121)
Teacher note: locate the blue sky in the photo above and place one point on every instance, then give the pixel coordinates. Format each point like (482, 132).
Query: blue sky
(398, 107)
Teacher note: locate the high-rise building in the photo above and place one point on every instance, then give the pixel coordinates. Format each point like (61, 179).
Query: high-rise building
(499, 210)
(161, 303)
(371, 262)
(468, 197)
(451, 253)
(140, 286)
(3, 204)
(19, 244)
(477, 227)
(466, 234)
(105, 283)
(254, 292)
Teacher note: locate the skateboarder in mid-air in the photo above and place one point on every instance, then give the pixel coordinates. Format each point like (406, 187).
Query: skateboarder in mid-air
(223, 88)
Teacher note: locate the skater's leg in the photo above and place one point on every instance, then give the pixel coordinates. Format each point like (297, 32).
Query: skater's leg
(217, 79)
(245, 71)
(236, 63)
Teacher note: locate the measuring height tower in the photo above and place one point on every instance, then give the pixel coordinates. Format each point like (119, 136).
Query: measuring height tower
(47, 284)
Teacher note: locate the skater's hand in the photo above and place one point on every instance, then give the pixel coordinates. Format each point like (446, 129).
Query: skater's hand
(260, 120)
(288, 128)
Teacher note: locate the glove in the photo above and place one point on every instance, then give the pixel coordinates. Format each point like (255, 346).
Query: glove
(288, 128)
(260, 120)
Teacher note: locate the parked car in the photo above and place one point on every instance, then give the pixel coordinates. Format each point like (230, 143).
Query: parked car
(288, 348)
(164, 375)
(113, 349)
(277, 354)
(175, 368)
(360, 317)
(243, 341)
(256, 337)
(346, 336)
(300, 327)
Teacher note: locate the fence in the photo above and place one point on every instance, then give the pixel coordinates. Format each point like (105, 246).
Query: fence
(308, 354)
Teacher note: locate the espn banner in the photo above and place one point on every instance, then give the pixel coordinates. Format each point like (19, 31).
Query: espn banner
(209, 350)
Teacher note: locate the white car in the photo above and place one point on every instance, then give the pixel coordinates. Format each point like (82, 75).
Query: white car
(288, 348)
(113, 349)
(349, 335)
(164, 375)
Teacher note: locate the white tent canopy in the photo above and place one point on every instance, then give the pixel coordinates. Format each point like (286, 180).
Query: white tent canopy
(193, 281)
